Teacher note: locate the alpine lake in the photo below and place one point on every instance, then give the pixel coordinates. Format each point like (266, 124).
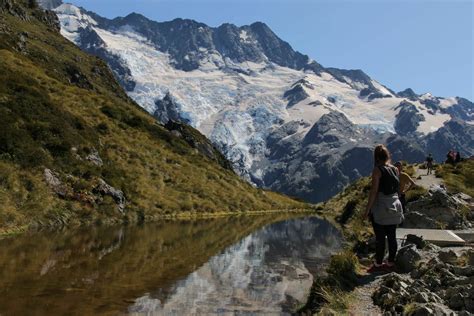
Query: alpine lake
(239, 265)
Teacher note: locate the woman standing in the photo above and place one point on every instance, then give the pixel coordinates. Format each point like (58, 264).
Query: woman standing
(384, 207)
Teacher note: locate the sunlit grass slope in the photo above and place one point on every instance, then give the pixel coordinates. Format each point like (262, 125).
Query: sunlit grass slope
(459, 177)
(59, 106)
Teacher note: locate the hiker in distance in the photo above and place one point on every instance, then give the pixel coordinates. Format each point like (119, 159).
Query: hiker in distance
(429, 163)
(406, 183)
(384, 208)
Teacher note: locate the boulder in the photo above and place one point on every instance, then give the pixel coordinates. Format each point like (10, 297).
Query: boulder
(456, 301)
(470, 257)
(415, 219)
(407, 257)
(421, 309)
(447, 256)
(463, 197)
(94, 158)
(105, 189)
(437, 207)
(467, 271)
(421, 297)
(52, 180)
(415, 240)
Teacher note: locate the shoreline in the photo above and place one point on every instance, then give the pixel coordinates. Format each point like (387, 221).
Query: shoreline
(184, 216)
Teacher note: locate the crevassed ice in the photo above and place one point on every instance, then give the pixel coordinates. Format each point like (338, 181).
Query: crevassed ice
(239, 108)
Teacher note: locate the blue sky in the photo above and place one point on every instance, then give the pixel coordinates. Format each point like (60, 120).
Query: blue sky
(426, 45)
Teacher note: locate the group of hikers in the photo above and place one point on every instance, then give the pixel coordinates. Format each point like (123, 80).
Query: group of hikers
(387, 204)
(453, 157)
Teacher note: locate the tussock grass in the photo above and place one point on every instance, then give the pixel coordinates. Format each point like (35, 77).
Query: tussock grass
(415, 193)
(458, 177)
(343, 269)
(46, 112)
(332, 292)
(337, 301)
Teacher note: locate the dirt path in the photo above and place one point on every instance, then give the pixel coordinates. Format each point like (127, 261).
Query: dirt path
(361, 302)
(424, 180)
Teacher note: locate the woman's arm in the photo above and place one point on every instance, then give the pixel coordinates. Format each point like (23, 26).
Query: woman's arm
(376, 174)
(411, 184)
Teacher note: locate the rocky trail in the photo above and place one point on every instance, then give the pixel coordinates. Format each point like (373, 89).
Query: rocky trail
(362, 303)
(424, 180)
(428, 279)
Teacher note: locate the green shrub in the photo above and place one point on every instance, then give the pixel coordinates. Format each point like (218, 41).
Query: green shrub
(343, 269)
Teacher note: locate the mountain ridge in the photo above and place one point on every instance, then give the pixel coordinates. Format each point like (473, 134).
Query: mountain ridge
(75, 149)
(239, 85)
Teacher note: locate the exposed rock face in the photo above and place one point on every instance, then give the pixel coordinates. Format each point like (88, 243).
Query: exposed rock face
(243, 87)
(105, 189)
(297, 93)
(323, 158)
(455, 134)
(91, 42)
(408, 119)
(354, 77)
(11, 7)
(438, 209)
(198, 141)
(187, 41)
(49, 4)
(462, 110)
(52, 179)
(408, 93)
(402, 148)
(167, 110)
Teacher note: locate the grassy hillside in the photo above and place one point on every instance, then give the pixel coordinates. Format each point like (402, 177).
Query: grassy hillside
(459, 177)
(63, 118)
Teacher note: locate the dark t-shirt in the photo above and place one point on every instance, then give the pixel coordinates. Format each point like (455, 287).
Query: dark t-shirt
(390, 181)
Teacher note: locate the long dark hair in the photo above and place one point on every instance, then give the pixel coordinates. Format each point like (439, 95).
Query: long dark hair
(381, 155)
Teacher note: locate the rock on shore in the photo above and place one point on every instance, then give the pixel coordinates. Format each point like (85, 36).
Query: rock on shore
(440, 209)
(440, 282)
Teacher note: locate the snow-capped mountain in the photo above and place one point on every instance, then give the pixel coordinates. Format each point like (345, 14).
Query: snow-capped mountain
(285, 122)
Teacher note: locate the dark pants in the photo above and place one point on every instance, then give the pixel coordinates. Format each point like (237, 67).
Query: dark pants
(382, 231)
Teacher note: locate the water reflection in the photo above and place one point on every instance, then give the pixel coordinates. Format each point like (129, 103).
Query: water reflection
(268, 272)
(180, 268)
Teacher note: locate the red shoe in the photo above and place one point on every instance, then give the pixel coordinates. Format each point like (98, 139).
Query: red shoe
(375, 268)
(388, 266)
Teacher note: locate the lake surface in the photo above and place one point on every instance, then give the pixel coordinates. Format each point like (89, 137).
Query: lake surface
(238, 265)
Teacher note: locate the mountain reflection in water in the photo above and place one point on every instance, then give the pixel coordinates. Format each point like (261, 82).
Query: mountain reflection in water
(168, 268)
